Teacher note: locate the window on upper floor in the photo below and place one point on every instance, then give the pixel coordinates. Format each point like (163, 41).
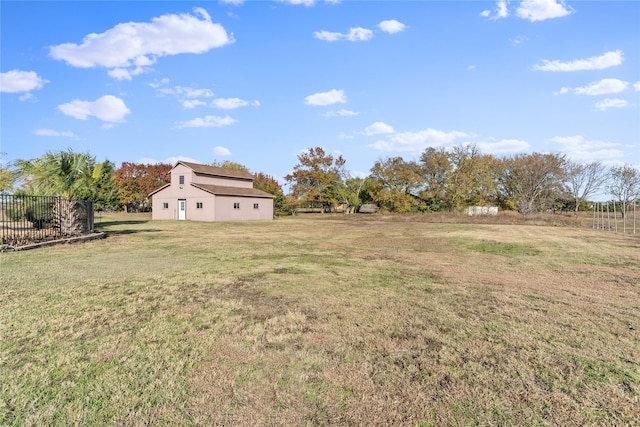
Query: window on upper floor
(255, 206)
(165, 205)
(181, 180)
(236, 205)
(198, 205)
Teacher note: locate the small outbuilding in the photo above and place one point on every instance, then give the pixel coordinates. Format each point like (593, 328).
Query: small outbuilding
(207, 193)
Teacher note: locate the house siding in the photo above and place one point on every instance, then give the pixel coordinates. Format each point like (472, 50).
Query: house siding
(226, 212)
(214, 207)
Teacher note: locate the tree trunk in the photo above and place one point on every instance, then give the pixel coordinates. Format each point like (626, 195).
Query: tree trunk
(69, 216)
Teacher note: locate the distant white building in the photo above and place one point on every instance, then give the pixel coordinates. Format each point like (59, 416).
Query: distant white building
(482, 210)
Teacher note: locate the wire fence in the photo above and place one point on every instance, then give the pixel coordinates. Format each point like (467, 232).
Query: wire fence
(615, 216)
(31, 219)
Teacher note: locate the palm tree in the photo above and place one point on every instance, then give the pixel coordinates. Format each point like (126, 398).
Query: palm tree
(66, 174)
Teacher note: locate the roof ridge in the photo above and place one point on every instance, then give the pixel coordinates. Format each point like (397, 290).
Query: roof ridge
(216, 171)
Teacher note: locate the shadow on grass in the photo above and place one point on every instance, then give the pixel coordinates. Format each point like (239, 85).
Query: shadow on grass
(128, 231)
(104, 227)
(99, 224)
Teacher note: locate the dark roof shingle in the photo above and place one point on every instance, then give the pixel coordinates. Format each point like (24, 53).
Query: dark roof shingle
(222, 190)
(215, 171)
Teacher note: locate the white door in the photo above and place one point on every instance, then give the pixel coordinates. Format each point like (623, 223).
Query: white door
(182, 210)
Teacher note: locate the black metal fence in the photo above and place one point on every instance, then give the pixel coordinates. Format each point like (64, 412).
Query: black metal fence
(30, 219)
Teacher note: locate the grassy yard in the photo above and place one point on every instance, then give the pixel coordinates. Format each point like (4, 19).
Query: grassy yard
(326, 320)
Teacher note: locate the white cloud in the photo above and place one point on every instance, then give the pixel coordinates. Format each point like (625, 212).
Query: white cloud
(533, 10)
(232, 2)
(471, 67)
(603, 87)
(417, 141)
(191, 104)
(20, 81)
(378, 128)
(159, 83)
(232, 103)
(221, 151)
(130, 48)
(328, 36)
(636, 86)
(340, 113)
(605, 104)
(518, 40)
(187, 92)
(107, 108)
(609, 59)
(206, 122)
(501, 11)
(359, 34)
(354, 35)
(540, 10)
(127, 74)
(299, 2)
(391, 26)
(188, 97)
(581, 149)
(344, 135)
(333, 96)
(503, 146)
(51, 132)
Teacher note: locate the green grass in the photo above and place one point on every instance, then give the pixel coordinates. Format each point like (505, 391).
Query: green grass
(323, 320)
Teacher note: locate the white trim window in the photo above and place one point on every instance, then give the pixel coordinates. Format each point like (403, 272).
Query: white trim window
(236, 205)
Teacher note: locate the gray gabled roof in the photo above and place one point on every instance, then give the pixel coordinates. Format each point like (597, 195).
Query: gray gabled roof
(223, 190)
(215, 171)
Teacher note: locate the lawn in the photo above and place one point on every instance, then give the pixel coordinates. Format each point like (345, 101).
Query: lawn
(323, 320)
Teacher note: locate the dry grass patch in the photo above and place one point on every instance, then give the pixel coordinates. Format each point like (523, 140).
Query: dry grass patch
(326, 320)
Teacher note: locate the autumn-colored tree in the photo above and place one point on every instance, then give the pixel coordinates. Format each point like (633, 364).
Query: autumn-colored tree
(135, 181)
(533, 181)
(473, 177)
(316, 180)
(7, 175)
(269, 184)
(396, 184)
(228, 164)
(435, 169)
(357, 191)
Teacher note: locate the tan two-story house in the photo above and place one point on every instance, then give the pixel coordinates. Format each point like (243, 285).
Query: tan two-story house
(207, 193)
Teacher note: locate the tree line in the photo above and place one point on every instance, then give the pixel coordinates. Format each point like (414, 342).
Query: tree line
(463, 176)
(440, 180)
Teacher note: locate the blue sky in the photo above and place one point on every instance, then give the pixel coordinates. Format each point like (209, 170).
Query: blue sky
(257, 82)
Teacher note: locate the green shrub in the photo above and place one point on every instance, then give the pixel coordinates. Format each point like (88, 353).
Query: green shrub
(40, 215)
